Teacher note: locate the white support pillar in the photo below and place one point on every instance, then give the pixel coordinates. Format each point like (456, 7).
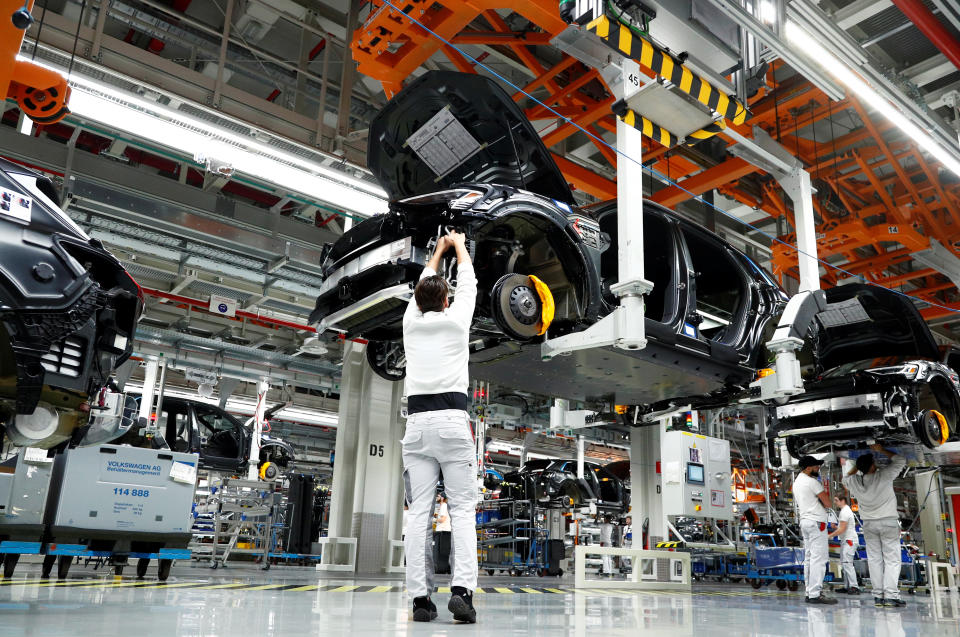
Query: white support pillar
(367, 501)
(646, 507)
(580, 446)
(624, 327)
(253, 464)
(798, 188)
(149, 387)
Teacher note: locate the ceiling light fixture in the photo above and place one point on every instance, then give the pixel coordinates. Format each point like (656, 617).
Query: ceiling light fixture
(152, 121)
(804, 42)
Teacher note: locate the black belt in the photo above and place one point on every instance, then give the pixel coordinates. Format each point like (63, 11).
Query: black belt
(436, 402)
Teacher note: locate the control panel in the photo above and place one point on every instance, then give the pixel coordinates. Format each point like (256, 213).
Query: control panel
(695, 474)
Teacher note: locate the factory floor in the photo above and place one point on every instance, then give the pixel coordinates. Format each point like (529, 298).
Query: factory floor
(292, 601)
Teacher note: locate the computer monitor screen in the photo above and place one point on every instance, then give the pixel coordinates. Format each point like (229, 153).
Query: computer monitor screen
(694, 473)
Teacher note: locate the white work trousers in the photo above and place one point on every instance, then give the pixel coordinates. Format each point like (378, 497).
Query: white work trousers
(882, 538)
(815, 555)
(847, 552)
(438, 441)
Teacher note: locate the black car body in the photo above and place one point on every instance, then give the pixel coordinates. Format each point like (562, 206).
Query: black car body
(878, 377)
(704, 318)
(554, 483)
(221, 440)
(68, 311)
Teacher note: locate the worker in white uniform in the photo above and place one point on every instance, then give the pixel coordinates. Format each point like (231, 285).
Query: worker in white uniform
(606, 539)
(626, 539)
(438, 435)
(872, 486)
(812, 504)
(846, 534)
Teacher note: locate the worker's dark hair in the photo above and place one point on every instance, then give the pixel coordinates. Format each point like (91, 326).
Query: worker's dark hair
(865, 462)
(431, 293)
(842, 498)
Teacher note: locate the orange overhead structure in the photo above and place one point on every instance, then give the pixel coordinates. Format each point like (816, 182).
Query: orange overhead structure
(877, 201)
(41, 94)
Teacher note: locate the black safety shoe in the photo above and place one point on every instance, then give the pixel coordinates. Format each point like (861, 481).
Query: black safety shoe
(827, 601)
(841, 590)
(461, 605)
(424, 610)
(894, 603)
(853, 591)
(878, 601)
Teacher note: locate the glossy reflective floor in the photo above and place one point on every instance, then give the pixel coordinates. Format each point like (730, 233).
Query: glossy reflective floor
(286, 602)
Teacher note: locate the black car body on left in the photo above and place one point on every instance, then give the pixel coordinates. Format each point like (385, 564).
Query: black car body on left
(704, 319)
(878, 376)
(222, 441)
(68, 311)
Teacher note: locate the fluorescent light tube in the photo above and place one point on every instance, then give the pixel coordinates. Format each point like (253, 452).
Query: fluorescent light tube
(161, 125)
(804, 42)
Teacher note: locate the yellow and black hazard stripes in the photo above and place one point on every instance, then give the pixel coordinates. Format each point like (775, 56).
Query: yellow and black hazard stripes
(200, 587)
(669, 545)
(621, 39)
(644, 125)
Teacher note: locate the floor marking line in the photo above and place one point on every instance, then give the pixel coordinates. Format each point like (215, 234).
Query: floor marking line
(341, 589)
(531, 590)
(380, 589)
(266, 587)
(220, 586)
(310, 587)
(501, 589)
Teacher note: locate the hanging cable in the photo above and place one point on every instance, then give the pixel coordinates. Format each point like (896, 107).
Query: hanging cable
(36, 41)
(76, 38)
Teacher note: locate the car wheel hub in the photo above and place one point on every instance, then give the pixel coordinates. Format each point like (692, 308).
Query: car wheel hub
(516, 306)
(524, 305)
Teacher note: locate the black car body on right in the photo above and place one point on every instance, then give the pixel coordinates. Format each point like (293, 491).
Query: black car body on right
(554, 484)
(879, 377)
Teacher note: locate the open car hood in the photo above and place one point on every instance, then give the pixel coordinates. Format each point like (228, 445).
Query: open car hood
(475, 133)
(865, 322)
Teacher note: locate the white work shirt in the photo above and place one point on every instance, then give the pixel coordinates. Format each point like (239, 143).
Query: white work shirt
(846, 515)
(874, 492)
(437, 343)
(626, 534)
(443, 519)
(805, 492)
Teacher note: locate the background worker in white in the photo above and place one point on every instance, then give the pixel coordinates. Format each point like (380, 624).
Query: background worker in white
(812, 504)
(438, 435)
(606, 539)
(626, 539)
(846, 533)
(873, 488)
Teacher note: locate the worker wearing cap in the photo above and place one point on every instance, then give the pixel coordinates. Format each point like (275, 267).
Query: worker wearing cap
(812, 504)
(846, 533)
(872, 486)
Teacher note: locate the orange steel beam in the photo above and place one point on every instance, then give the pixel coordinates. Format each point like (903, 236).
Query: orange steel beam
(463, 64)
(724, 172)
(900, 279)
(583, 120)
(586, 180)
(897, 166)
(494, 38)
(544, 77)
